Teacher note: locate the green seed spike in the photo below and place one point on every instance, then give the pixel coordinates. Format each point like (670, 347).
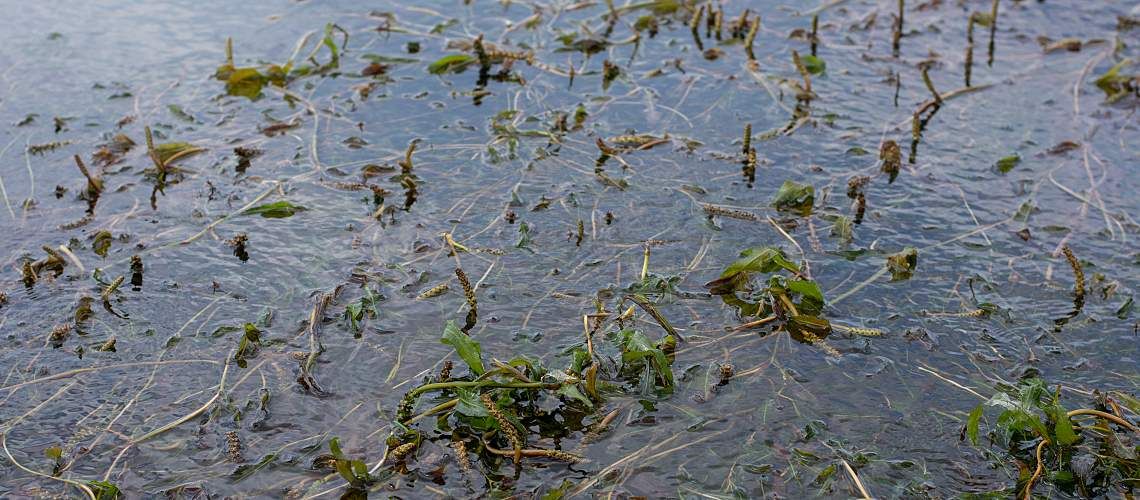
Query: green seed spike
(747, 138)
(751, 38)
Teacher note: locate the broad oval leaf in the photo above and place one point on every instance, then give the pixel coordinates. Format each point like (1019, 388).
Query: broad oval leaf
(467, 348)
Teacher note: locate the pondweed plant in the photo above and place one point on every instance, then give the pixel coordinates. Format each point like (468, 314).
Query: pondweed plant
(1079, 451)
(792, 301)
(501, 410)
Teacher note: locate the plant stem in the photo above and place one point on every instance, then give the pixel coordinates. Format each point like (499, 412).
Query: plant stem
(483, 383)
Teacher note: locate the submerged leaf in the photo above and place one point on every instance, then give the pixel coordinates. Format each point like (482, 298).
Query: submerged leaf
(636, 347)
(902, 264)
(102, 243)
(813, 64)
(275, 210)
(170, 150)
(794, 197)
(454, 63)
(1005, 164)
(245, 82)
(1062, 426)
(467, 348)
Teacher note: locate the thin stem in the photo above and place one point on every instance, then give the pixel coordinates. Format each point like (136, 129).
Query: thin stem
(482, 383)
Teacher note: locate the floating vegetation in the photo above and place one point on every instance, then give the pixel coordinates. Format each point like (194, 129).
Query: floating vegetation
(1079, 447)
(276, 210)
(794, 197)
(902, 264)
(781, 303)
(891, 157)
(1117, 86)
(586, 153)
(47, 147)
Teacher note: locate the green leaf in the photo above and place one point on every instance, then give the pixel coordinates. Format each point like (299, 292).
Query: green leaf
(972, 424)
(843, 229)
(812, 297)
(334, 447)
(102, 243)
(104, 490)
(169, 150)
(454, 63)
(181, 114)
(275, 210)
(636, 346)
(524, 237)
(794, 197)
(245, 82)
(1114, 84)
(470, 404)
(1125, 309)
(1005, 164)
(382, 59)
(902, 264)
(813, 64)
(54, 453)
(467, 348)
(1062, 426)
(752, 260)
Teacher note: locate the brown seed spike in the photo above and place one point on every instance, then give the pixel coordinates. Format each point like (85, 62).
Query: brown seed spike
(726, 373)
(891, 156)
(461, 455)
(233, 447)
(748, 40)
(1078, 273)
(505, 426)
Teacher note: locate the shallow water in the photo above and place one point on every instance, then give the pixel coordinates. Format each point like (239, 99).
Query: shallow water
(892, 406)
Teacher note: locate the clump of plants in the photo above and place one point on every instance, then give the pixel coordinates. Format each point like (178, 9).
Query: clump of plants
(773, 292)
(1088, 451)
(509, 412)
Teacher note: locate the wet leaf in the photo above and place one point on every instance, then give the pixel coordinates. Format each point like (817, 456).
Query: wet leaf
(1005, 164)
(104, 490)
(382, 59)
(245, 82)
(813, 64)
(469, 403)
(467, 348)
(794, 197)
(972, 424)
(169, 150)
(636, 347)
(54, 453)
(276, 210)
(1114, 84)
(102, 243)
(1125, 309)
(752, 260)
(454, 63)
(843, 229)
(811, 301)
(524, 237)
(1062, 426)
(181, 114)
(902, 264)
